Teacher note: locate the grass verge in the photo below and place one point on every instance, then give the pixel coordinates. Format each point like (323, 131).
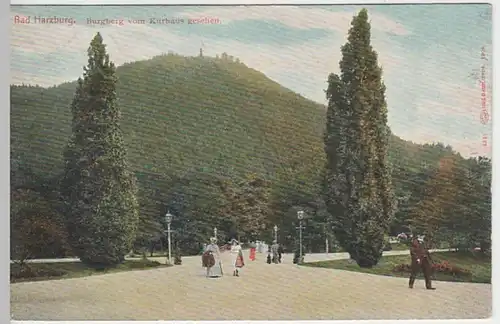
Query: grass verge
(399, 247)
(65, 270)
(477, 264)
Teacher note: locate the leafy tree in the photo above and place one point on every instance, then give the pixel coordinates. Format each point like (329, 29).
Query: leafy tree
(359, 192)
(150, 227)
(255, 206)
(37, 229)
(470, 217)
(98, 189)
(153, 196)
(438, 201)
(455, 204)
(483, 225)
(246, 206)
(318, 228)
(196, 202)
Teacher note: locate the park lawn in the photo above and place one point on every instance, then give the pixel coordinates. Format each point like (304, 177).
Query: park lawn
(65, 270)
(399, 247)
(478, 264)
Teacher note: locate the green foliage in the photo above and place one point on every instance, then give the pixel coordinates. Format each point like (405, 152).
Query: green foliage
(195, 115)
(441, 268)
(152, 209)
(456, 204)
(359, 192)
(36, 227)
(238, 207)
(197, 128)
(246, 205)
(438, 199)
(62, 270)
(98, 190)
(472, 267)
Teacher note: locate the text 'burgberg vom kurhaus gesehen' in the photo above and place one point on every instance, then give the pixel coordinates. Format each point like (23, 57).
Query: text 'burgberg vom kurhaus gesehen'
(153, 21)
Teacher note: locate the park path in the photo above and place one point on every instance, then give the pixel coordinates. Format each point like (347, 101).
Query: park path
(310, 257)
(262, 292)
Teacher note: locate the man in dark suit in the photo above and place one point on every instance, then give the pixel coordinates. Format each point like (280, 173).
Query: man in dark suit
(420, 260)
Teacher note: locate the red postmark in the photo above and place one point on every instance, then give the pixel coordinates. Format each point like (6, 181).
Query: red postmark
(484, 116)
(485, 140)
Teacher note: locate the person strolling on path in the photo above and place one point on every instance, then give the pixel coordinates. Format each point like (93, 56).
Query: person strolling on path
(211, 258)
(269, 259)
(420, 261)
(281, 251)
(236, 257)
(275, 251)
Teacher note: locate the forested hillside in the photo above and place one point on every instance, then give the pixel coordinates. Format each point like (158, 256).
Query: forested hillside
(217, 144)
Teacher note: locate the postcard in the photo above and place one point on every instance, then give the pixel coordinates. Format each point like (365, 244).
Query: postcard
(328, 162)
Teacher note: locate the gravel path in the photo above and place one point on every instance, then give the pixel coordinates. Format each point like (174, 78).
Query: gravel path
(262, 292)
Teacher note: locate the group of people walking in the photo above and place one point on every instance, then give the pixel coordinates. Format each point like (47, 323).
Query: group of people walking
(211, 259)
(276, 250)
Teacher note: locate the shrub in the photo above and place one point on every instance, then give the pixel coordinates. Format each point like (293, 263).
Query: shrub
(37, 229)
(444, 267)
(336, 249)
(177, 257)
(141, 264)
(296, 257)
(18, 271)
(402, 268)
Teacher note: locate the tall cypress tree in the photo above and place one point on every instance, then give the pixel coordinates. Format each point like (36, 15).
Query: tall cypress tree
(99, 191)
(358, 189)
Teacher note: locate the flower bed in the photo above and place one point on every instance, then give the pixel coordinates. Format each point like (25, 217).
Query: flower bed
(444, 268)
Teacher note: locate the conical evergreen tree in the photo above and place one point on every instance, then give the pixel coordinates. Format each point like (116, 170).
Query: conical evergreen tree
(358, 189)
(98, 190)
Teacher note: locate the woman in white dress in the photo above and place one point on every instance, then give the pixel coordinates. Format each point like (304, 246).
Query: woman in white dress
(236, 257)
(213, 250)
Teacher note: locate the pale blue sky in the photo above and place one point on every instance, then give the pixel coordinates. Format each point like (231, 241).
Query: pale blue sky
(428, 53)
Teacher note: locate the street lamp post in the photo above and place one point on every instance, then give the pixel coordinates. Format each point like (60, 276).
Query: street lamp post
(276, 233)
(326, 238)
(168, 219)
(300, 217)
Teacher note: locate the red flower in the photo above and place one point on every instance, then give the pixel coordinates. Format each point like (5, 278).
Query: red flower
(444, 267)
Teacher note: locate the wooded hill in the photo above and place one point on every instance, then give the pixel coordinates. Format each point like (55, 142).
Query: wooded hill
(215, 142)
